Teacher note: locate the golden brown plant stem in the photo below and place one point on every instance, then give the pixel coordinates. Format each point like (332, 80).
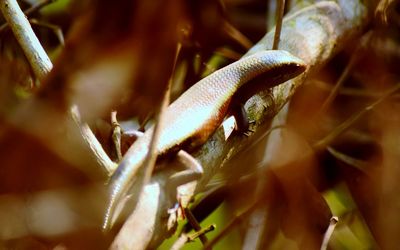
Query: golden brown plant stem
(34, 52)
(202, 232)
(116, 135)
(279, 16)
(184, 238)
(195, 224)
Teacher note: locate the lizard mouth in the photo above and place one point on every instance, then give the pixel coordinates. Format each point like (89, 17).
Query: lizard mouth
(280, 74)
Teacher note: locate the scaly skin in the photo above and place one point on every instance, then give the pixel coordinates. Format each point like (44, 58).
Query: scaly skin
(197, 113)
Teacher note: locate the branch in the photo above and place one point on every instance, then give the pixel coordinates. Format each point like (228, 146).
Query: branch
(29, 11)
(34, 52)
(91, 141)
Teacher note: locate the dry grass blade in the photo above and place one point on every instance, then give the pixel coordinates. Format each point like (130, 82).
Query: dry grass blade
(348, 91)
(353, 60)
(151, 156)
(358, 164)
(327, 140)
(236, 35)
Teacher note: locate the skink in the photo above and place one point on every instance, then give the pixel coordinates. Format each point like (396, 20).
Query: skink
(197, 113)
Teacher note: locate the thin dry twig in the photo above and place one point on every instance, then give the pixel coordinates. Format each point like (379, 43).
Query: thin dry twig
(201, 233)
(29, 11)
(327, 140)
(349, 91)
(353, 60)
(329, 232)
(236, 35)
(356, 163)
(195, 224)
(231, 225)
(55, 28)
(34, 52)
(185, 238)
(116, 135)
(90, 139)
(279, 16)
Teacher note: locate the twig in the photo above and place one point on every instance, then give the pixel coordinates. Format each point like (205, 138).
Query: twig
(329, 232)
(100, 155)
(202, 232)
(29, 11)
(356, 163)
(236, 35)
(231, 225)
(56, 29)
(350, 121)
(353, 60)
(116, 135)
(339, 83)
(195, 224)
(34, 52)
(279, 16)
(228, 53)
(184, 238)
(349, 91)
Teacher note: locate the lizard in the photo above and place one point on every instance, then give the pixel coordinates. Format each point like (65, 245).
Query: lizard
(192, 118)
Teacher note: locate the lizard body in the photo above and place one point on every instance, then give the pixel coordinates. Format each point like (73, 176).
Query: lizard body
(197, 113)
